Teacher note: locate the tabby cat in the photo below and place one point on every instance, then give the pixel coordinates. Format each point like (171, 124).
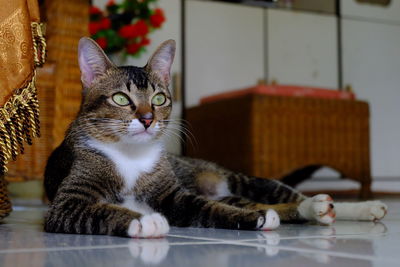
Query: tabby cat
(112, 176)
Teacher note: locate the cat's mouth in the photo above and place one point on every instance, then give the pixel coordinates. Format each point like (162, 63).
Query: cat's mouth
(136, 132)
(144, 132)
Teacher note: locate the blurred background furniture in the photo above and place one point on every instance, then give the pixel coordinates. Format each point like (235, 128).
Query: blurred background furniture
(284, 137)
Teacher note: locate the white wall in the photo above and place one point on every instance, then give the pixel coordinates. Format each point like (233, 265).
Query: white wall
(371, 63)
(224, 45)
(302, 48)
(376, 13)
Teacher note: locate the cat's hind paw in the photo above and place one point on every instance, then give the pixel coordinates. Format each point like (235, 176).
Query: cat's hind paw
(318, 208)
(268, 222)
(149, 226)
(372, 210)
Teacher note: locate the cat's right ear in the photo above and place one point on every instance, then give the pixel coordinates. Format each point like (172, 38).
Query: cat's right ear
(93, 62)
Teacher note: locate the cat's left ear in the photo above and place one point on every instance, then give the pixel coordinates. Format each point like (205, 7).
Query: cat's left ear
(93, 62)
(160, 62)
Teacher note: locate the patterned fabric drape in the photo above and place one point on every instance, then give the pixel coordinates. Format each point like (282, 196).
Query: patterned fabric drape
(22, 49)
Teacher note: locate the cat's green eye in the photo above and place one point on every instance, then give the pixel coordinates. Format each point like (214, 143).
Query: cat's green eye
(121, 99)
(158, 99)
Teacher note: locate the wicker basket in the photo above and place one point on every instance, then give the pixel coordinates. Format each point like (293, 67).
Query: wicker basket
(5, 204)
(59, 86)
(285, 137)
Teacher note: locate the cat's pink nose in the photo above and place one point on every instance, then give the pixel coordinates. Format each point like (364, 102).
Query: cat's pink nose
(146, 122)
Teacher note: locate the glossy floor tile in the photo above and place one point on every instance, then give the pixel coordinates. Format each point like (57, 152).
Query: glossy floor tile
(23, 243)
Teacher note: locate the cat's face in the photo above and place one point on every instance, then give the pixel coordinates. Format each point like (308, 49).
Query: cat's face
(125, 104)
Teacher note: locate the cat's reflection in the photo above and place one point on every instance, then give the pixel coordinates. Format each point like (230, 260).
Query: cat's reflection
(150, 251)
(271, 240)
(322, 238)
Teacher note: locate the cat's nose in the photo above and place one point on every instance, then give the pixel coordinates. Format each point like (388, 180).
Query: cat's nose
(146, 122)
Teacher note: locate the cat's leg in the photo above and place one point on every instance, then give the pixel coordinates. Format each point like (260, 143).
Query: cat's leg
(184, 209)
(77, 215)
(322, 209)
(361, 211)
(318, 208)
(215, 182)
(259, 193)
(322, 206)
(288, 212)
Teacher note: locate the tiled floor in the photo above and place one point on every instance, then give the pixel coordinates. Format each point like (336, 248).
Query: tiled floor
(23, 243)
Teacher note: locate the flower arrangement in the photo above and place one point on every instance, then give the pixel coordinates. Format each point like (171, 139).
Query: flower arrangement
(125, 26)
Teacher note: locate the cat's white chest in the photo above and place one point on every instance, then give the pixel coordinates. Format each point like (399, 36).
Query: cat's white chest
(130, 161)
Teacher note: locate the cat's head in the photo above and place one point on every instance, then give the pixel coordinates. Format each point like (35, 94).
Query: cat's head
(129, 104)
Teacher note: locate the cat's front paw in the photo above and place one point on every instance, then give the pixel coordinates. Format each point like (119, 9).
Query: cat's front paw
(318, 208)
(268, 222)
(149, 226)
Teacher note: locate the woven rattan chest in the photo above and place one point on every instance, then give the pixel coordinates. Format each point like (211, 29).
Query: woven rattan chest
(284, 137)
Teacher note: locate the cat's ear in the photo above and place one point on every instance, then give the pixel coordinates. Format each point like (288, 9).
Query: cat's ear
(160, 62)
(92, 60)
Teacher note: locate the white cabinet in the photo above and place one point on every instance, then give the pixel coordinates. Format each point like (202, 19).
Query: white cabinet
(224, 48)
(302, 48)
(357, 10)
(371, 63)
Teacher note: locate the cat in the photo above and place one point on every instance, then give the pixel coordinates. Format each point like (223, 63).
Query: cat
(112, 176)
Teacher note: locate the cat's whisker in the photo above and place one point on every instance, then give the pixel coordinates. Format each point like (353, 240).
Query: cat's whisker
(171, 130)
(181, 122)
(171, 134)
(178, 132)
(188, 134)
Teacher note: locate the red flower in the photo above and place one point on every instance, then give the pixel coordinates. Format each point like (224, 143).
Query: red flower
(111, 3)
(102, 42)
(133, 48)
(140, 28)
(145, 41)
(105, 23)
(158, 18)
(127, 31)
(94, 27)
(94, 10)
